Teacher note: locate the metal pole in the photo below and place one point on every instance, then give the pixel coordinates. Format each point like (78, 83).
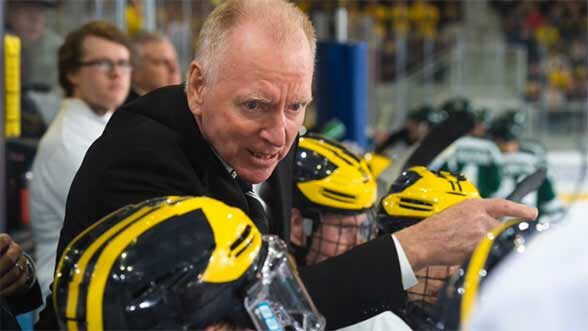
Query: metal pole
(400, 65)
(120, 18)
(149, 15)
(341, 24)
(187, 48)
(459, 88)
(428, 50)
(99, 9)
(2, 125)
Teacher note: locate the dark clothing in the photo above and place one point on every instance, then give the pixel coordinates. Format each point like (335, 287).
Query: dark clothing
(17, 304)
(400, 136)
(131, 96)
(152, 147)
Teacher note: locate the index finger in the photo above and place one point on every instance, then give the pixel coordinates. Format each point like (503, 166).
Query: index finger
(500, 207)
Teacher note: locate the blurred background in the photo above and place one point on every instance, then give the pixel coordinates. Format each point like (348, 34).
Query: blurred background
(377, 60)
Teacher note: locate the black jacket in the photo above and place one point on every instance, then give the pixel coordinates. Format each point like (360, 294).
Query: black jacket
(152, 147)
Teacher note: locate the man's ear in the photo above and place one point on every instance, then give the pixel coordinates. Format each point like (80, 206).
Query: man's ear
(73, 78)
(297, 228)
(195, 87)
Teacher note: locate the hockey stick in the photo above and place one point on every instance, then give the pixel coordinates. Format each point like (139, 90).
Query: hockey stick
(456, 125)
(530, 184)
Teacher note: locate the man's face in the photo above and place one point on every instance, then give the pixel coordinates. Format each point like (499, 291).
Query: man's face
(27, 20)
(417, 131)
(479, 130)
(252, 111)
(158, 66)
(102, 87)
(336, 234)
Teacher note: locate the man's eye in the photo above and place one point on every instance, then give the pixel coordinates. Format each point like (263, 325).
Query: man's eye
(251, 105)
(296, 107)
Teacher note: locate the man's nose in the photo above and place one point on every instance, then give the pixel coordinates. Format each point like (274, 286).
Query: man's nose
(274, 130)
(117, 71)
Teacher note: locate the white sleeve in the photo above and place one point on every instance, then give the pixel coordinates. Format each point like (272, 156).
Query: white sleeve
(408, 278)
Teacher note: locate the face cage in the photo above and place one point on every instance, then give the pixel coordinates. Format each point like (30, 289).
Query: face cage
(332, 238)
(278, 301)
(420, 298)
(419, 309)
(431, 281)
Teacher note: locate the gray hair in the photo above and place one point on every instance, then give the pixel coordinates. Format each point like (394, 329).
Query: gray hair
(145, 37)
(280, 16)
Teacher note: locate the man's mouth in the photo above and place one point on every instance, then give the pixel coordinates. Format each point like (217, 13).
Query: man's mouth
(263, 156)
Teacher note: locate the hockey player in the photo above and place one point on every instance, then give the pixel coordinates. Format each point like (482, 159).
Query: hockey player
(417, 194)
(334, 195)
(400, 145)
(477, 158)
(517, 163)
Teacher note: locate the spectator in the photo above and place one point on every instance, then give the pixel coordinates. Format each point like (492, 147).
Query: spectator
(94, 71)
(156, 64)
(27, 20)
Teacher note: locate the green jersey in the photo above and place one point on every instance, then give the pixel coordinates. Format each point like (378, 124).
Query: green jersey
(517, 166)
(478, 159)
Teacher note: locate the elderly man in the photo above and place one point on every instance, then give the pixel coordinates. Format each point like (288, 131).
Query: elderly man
(234, 124)
(156, 64)
(95, 71)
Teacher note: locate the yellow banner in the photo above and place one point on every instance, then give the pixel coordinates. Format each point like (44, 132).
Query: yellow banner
(12, 86)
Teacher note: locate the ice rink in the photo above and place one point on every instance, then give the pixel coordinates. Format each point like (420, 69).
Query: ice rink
(570, 175)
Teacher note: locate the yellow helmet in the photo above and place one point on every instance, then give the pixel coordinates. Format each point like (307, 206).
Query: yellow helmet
(377, 163)
(419, 193)
(460, 295)
(330, 177)
(178, 263)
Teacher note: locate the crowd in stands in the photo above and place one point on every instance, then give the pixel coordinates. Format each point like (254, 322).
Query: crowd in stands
(554, 33)
(383, 23)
